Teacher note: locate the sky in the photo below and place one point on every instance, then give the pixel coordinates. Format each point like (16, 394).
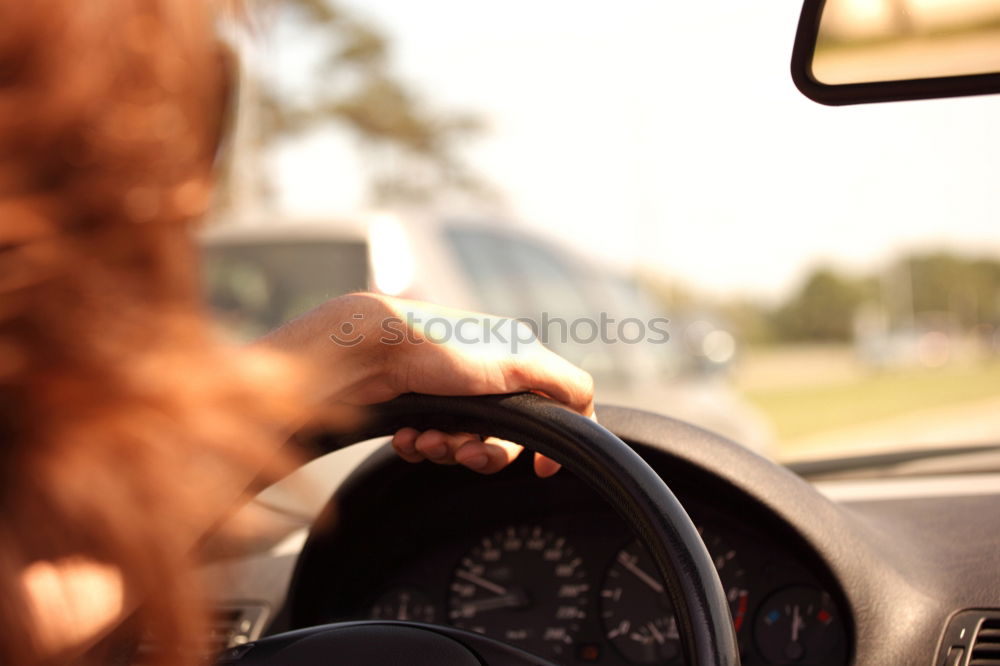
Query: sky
(668, 135)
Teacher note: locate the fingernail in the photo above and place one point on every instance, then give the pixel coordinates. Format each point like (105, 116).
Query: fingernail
(477, 462)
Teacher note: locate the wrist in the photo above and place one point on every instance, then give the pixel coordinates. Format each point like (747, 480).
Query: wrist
(339, 342)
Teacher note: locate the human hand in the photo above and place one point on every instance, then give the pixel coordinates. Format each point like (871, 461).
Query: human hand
(372, 348)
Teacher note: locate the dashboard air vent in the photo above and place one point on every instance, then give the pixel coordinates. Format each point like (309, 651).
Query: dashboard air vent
(986, 644)
(972, 638)
(236, 623)
(231, 623)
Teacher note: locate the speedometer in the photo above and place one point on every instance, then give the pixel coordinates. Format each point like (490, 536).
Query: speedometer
(523, 585)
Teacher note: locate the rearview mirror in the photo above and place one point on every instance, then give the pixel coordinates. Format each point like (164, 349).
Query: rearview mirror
(857, 51)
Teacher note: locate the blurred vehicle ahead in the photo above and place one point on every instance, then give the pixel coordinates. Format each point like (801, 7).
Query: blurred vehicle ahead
(603, 320)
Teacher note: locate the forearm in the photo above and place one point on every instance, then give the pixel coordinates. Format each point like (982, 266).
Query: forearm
(338, 343)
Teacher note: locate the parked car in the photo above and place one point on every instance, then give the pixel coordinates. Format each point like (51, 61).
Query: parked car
(257, 277)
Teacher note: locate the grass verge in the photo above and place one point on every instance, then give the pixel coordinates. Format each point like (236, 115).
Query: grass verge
(813, 408)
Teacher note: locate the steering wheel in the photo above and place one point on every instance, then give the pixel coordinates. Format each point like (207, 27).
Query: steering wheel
(600, 460)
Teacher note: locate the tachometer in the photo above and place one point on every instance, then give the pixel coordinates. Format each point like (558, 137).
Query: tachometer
(637, 616)
(731, 573)
(522, 585)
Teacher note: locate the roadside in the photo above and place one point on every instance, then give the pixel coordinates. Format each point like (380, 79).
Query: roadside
(821, 401)
(976, 422)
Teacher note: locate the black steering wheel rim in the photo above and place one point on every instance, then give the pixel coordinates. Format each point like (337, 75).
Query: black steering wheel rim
(611, 468)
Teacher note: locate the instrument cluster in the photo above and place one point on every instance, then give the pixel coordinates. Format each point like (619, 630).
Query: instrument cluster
(546, 567)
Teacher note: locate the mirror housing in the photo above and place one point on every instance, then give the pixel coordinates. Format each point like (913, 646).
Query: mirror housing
(806, 40)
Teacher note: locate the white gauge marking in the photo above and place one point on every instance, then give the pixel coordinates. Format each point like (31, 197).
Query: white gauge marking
(620, 630)
(657, 634)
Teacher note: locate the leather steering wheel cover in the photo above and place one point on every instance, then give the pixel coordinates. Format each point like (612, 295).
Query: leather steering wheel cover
(610, 467)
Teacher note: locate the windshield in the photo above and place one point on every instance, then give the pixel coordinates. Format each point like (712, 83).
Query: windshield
(831, 276)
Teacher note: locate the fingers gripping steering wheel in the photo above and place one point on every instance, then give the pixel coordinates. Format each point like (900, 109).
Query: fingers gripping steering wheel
(600, 460)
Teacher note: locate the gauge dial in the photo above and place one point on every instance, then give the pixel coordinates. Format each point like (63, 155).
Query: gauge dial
(521, 585)
(637, 615)
(799, 625)
(638, 618)
(731, 573)
(404, 603)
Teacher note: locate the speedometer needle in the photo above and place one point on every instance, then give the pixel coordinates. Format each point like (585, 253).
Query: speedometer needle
(481, 582)
(629, 563)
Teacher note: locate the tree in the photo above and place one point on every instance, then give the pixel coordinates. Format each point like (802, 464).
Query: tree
(411, 150)
(966, 288)
(822, 309)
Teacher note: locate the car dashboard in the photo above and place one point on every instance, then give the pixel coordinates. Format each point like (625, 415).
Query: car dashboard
(879, 572)
(543, 564)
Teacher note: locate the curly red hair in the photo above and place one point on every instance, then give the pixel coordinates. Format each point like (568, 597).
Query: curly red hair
(122, 418)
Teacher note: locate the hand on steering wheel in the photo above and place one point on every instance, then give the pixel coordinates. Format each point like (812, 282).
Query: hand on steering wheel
(369, 348)
(600, 460)
(485, 455)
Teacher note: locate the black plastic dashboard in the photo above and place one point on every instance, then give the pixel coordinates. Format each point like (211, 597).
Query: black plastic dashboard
(543, 564)
(810, 580)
